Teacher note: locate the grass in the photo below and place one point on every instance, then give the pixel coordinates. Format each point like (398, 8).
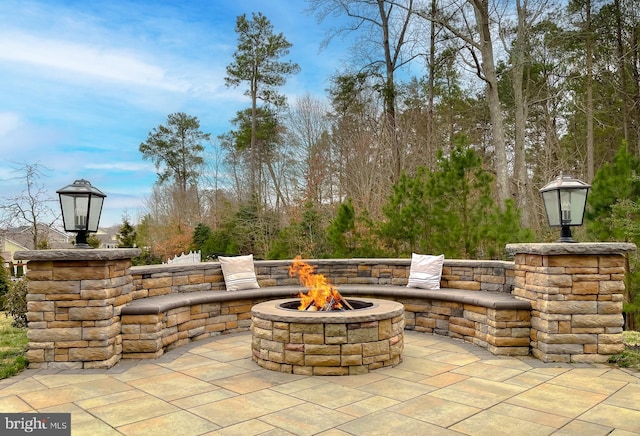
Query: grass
(13, 344)
(630, 357)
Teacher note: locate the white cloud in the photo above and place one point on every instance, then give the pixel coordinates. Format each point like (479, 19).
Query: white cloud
(9, 121)
(120, 166)
(22, 140)
(85, 60)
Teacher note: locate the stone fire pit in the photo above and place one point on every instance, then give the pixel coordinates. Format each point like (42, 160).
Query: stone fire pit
(327, 343)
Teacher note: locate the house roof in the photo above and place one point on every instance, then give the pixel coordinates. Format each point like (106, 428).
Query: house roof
(23, 237)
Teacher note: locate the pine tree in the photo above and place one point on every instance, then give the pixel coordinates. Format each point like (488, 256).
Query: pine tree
(257, 63)
(614, 182)
(451, 210)
(613, 214)
(176, 147)
(127, 235)
(461, 197)
(340, 231)
(201, 234)
(408, 227)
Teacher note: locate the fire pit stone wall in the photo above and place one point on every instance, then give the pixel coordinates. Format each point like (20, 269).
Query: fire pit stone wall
(331, 343)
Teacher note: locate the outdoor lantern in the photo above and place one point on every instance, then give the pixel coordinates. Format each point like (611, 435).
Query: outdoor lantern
(565, 200)
(81, 206)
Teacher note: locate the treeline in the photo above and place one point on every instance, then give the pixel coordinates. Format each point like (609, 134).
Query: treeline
(436, 138)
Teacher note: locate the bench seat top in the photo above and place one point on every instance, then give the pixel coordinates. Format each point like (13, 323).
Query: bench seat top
(162, 303)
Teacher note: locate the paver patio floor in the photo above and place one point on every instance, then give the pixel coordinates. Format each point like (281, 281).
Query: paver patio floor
(443, 386)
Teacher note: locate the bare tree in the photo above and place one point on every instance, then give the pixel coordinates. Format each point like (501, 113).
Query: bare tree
(471, 21)
(588, 32)
(386, 42)
(32, 206)
(307, 128)
(216, 183)
(517, 42)
(361, 164)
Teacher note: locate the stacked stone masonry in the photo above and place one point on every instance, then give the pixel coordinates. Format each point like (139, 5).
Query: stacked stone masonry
(576, 300)
(149, 336)
(163, 333)
(458, 274)
(75, 298)
(502, 332)
(73, 310)
(327, 348)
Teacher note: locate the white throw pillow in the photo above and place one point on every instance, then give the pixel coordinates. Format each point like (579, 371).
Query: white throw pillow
(238, 272)
(425, 271)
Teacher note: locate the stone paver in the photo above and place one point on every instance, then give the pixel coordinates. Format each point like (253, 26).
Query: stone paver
(444, 386)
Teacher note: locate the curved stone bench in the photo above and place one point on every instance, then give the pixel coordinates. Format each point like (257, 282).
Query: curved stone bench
(82, 304)
(494, 320)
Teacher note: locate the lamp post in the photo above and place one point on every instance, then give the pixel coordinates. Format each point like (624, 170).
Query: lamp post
(565, 200)
(81, 206)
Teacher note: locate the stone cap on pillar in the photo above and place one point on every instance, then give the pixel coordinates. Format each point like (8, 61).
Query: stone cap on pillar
(559, 248)
(77, 254)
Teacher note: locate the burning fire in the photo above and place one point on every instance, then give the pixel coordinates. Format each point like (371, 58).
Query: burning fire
(321, 295)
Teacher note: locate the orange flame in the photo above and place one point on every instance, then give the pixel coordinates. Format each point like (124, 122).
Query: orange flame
(321, 295)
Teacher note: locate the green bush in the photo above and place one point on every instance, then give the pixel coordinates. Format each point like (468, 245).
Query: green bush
(4, 283)
(16, 302)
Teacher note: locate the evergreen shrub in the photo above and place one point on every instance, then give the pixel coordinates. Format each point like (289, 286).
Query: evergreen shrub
(16, 302)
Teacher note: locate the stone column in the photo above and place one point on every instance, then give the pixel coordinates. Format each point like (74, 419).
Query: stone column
(576, 293)
(73, 306)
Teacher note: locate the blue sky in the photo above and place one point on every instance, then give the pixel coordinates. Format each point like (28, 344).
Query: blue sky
(82, 83)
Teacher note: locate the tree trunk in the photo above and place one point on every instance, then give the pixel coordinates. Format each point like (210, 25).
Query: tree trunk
(635, 74)
(481, 8)
(520, 108)
(253, 164)
(589, 108)
(622, 72)
(391, 57)
(430, 103)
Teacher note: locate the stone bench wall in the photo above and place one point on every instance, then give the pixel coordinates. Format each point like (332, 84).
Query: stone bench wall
(503, 331)
(576, 292)
(145, 336)
(148, 336)
(475, 275)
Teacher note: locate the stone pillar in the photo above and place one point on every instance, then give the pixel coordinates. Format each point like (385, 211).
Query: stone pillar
(576, 293)
(73, 306)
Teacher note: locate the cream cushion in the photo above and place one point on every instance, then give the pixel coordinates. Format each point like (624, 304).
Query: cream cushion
(238, 272)
(425, 271)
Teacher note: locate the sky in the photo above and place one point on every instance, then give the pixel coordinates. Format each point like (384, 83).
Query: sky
(82, 83)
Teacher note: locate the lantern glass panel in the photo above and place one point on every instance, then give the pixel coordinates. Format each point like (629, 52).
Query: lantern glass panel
(94, 213)
(565, 207)
(551, 201)
(74, 212)
(578, 204)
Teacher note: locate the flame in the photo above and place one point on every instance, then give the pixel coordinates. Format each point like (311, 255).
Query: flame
(321, 295)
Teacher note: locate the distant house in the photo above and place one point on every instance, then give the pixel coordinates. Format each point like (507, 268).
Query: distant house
(7, 248)
(21, 238)
(108, 236)
(48, 237)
